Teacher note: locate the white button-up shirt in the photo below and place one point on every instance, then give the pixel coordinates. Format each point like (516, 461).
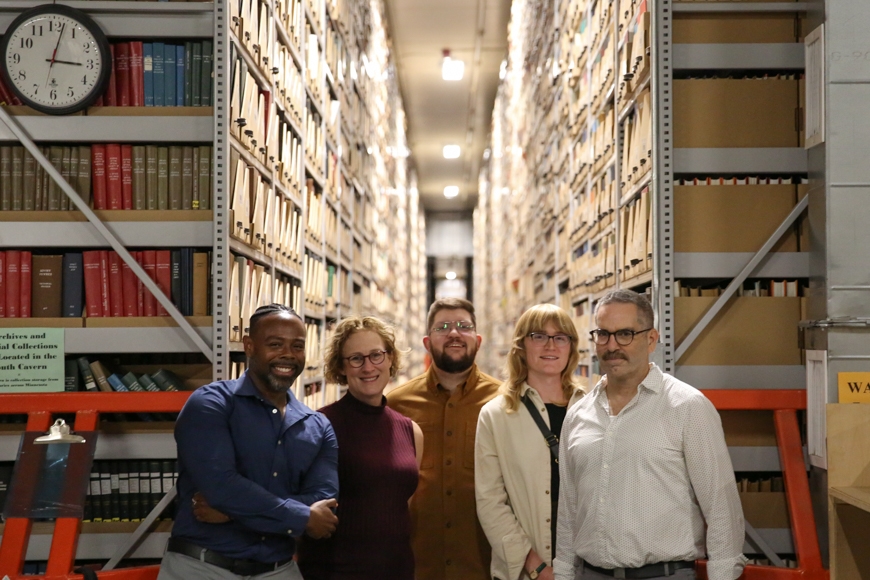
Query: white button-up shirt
(651, 484)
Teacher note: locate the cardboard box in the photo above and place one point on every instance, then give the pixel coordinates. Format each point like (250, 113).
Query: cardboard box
(734, 28)
(765, 509)
(732, 218)
(748, 428)
(735, 113)
(748, 331)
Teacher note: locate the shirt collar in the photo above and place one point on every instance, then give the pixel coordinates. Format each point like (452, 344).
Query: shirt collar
(467, 386)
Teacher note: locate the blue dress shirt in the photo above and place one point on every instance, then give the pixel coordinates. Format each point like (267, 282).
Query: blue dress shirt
(261, 470)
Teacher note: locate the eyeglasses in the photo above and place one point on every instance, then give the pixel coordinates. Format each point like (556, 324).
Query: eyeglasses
(541, 339)
(623, 337)
(358, 360)
(461, 326)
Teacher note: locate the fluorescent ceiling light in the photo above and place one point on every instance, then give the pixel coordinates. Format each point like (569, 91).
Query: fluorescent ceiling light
(451, 191)
(451, 151)
(450, 275)
(452, 69)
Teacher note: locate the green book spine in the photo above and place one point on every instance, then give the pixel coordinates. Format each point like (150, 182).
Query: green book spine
(204, 177)
(29, 182)
(163, 178)
(175, 155)
(131, 382)
(87, 376)
(17, 178)
(67, 173)
(151, 176)
(55, 156)
(206, 75)
(84, 177)
(5, 178)
(196, 75)
(188, 74)
(187, 178)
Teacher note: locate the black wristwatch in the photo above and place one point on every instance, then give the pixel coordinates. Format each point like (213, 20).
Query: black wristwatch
(533, 575)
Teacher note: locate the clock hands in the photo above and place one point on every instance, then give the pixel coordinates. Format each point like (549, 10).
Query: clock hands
(54, 54)
(64, 62)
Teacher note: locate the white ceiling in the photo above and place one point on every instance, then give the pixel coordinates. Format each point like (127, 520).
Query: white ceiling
(441, 112)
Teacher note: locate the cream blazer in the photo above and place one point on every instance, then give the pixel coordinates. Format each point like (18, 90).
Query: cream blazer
(512, 484)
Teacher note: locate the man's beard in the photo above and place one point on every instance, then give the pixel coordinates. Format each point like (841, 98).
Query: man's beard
(451, 365)
(277, 384)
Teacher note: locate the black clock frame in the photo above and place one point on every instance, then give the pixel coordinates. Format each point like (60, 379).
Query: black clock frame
(102, 45)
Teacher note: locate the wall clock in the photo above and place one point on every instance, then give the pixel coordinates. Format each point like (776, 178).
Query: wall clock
(55, 59)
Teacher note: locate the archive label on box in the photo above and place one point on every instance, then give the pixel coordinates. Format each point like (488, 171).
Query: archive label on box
(854, 387)
(31, 360)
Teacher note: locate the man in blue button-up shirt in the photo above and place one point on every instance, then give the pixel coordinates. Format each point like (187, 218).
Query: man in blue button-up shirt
(256, 467)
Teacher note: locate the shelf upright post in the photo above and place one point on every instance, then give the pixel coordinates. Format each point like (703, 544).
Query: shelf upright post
(221, 257)
(663, 178)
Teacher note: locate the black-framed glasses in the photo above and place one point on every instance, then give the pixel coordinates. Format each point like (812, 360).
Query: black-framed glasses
(358, 360)
(461, 326)
(623, 336)
(541, 339)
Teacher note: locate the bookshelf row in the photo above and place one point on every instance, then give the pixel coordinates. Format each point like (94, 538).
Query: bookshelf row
(279, 192)
(579, 192)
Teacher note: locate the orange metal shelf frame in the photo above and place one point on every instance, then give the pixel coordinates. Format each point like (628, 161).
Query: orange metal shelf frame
(40, 409)
(785, 404)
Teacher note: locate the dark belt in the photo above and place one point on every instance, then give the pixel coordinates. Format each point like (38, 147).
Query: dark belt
(240, 567)
(648, 571)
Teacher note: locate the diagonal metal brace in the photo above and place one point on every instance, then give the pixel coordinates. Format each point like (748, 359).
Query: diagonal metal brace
(754, 538)
(107, 234)
(738, 280)
(142, 529)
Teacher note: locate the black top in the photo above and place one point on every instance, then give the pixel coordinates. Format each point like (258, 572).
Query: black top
(557, 417)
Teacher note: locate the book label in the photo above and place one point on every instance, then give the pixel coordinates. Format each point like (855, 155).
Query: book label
(31, 360)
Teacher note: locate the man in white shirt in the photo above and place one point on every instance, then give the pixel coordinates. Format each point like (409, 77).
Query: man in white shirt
(646, 479)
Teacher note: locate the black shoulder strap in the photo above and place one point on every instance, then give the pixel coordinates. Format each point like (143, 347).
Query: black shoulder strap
(552, 440)
(87, 573)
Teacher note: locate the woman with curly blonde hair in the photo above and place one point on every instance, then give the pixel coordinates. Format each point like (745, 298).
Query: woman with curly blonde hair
(379, 454)
(516, 472)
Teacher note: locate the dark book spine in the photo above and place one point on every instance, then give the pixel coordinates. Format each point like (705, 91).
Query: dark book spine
(168, 479)
(135, 496)
(71, 381)
(156, 484)
(115, 491)
(87, 376)
(73, 285)
(124, 491)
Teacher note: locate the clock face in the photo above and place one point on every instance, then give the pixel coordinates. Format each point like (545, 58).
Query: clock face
(55, 59)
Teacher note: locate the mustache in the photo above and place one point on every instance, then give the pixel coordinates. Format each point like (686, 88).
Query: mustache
(613, 355)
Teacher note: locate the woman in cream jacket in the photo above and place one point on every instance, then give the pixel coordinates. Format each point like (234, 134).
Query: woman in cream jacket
(515, 475)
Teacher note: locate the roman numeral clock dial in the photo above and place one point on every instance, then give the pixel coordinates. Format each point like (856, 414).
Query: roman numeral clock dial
(55, 59)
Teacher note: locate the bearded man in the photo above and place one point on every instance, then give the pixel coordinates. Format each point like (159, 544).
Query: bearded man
(257, 468)
(445, 401)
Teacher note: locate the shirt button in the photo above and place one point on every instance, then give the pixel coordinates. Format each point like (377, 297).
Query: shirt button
(547, 548)
(274, 411)
(290, 532)
(547, 492)
(262, 538)
(601, 500)
(276, 475)
(449, 492)
(449, 561)
(606, 466)
(450, 405)
(548, 521)
(448, 524)
(449, 433)
(449, 462)
(280, 442)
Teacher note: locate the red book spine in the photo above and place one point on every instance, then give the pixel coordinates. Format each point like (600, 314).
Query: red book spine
(2, 284)
(137, 75)
(110, 97)
(26, 283)
(113, 176)
(140, 288)
(13, 283)
(122, 85)
(98, 175)
(93, 286)
(164, 277)
(130, 291)
(127, 176)
(149, 262)
(105, 297)
(116, 285)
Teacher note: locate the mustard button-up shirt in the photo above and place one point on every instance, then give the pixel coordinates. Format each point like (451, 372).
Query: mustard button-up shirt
(448, 541)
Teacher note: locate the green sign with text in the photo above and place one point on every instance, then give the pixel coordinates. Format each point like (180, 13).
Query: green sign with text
(31, 360)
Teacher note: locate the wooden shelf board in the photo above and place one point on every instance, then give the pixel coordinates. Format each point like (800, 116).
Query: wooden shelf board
(856, 496)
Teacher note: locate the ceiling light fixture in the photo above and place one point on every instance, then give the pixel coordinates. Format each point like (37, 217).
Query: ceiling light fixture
(451, 151)
(451, 191)
(451, 69)
(450, 275)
